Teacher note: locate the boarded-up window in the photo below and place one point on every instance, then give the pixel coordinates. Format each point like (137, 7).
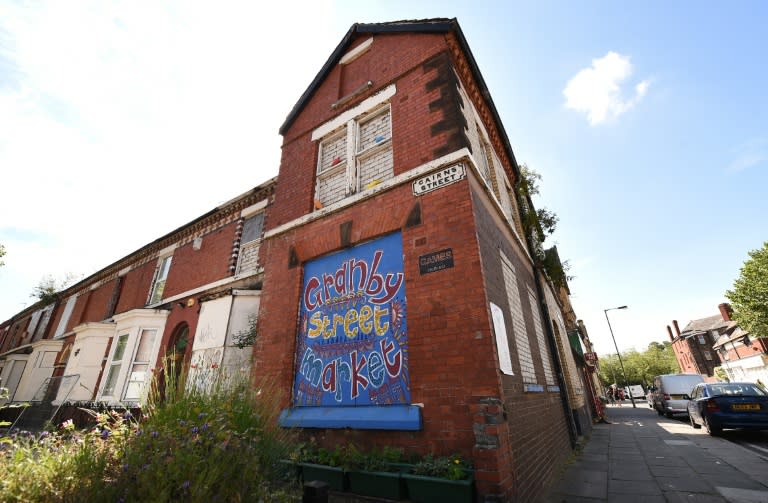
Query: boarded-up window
(543, 350)
(248, 258)
(522, 342)
(68, 307)
(356, 157)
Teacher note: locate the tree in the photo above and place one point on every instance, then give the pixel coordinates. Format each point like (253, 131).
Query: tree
(2, 254)
(749, 297)
(640, 367)
(542, 219)
(47, 291)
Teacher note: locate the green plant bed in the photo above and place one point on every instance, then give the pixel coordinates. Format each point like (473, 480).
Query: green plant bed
(288, 470)
(334, 476)
(379, 484)
(423, 489)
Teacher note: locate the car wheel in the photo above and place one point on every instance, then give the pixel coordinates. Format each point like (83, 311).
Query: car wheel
(696, 426)
(712, 430)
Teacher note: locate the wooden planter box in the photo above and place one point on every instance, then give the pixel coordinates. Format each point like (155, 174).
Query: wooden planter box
(333, 476)
(387, 485)
(436, 490)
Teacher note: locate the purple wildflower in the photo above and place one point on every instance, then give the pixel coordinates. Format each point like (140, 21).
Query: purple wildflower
(154, 434)
(201, 415)
(195, 429)
(185, 485)
(205, 426)
(105, 434)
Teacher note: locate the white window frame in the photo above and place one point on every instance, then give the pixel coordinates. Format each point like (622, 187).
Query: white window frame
(160, 279)
(112, 364)
(354, 155)
(248, 246)
(129, 377)
(348, 124)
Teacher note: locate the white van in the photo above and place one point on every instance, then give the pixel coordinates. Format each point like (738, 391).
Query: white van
(637, 392)
(668, 390)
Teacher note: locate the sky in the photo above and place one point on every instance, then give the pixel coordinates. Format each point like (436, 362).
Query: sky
(648, 121)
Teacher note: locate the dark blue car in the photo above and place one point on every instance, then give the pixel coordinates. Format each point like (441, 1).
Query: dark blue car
(728, 405)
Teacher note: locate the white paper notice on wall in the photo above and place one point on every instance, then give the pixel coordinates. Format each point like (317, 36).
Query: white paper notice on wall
(502, 346)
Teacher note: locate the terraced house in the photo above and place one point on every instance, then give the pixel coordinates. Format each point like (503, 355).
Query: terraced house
(400, 291)
(402, 305)
(184, 296)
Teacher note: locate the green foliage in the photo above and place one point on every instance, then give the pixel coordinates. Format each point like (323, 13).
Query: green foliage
(190, 446)
(2, 254)
(640, 368)
(47, 291)
(542, 220)
(557, 270)
(721, 374)
(749, 297)
(246, 337)
(446, 467)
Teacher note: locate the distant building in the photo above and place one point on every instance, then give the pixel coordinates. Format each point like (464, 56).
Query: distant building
(718, 341)
(744, 357)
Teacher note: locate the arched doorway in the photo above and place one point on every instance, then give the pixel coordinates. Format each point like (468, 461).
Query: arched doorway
(175, 358)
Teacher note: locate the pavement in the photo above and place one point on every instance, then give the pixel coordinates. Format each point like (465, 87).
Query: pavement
(640, 456)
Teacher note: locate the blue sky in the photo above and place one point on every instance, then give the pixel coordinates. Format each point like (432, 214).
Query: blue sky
(122, 121)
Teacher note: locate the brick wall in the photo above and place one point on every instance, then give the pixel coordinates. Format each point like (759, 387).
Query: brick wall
(536, 431)
(425, 115)
(191, 268)
(136, 284)
(514, 438)
(96, 303)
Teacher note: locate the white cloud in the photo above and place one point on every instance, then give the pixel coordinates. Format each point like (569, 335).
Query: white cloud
(750, 154)
(597, 91)
(120, 121)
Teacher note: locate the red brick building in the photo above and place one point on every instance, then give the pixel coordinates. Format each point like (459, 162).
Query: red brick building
(401, 305)
(184, 294)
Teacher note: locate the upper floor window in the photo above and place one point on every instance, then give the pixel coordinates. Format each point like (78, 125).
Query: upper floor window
(702, 340)
(355, 149)
(161, 274)
(248, 258)
(355, 157)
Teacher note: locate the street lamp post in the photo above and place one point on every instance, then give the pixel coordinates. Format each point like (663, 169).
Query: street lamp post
(623, 372)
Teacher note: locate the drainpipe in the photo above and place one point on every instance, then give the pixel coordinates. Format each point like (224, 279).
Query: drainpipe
(549, 331)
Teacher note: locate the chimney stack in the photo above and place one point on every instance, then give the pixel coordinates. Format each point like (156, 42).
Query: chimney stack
(725, 311)
(671, 337)
(677, 328)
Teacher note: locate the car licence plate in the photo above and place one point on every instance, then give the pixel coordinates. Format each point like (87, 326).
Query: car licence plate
(745, 406)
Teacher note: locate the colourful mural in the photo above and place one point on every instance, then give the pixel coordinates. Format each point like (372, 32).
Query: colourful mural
(352, 341)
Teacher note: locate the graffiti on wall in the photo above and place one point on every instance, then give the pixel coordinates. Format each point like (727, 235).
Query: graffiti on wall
(352, 342)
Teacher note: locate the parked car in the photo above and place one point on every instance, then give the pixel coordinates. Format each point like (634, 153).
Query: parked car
(728, 405)
(638, 393)
(669, 390)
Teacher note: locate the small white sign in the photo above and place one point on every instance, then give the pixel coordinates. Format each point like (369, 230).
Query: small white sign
(502, 346)
(438, 179)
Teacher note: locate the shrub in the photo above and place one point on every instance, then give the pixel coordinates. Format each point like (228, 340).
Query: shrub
(447, 467)
(220, 443)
